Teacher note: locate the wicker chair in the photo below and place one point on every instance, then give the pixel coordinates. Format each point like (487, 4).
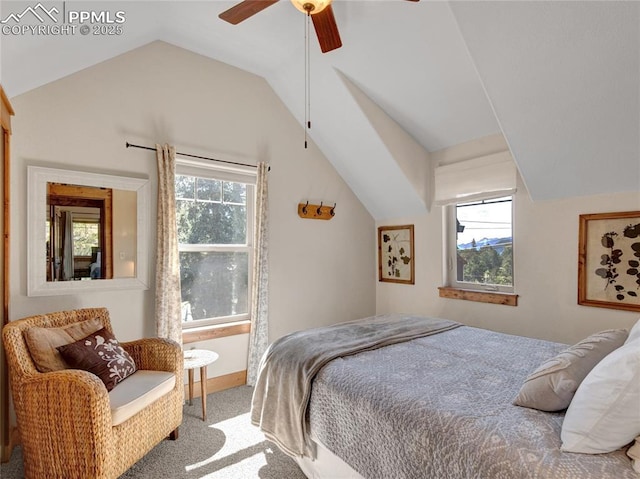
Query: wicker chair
(64, 418)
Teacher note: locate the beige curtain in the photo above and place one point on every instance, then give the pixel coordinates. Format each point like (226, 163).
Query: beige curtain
(168, 315)
(259, 338)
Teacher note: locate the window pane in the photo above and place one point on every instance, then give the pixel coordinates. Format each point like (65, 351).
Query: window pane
(211, 223)
(185, 186)
(208, 190)
(214, 284)
(484, 242)
(235, 193)
(85, 236)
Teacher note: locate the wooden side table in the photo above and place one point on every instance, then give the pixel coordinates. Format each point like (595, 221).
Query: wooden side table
(199, 358)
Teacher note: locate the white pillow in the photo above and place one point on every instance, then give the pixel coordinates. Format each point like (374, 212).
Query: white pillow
(634, 333)
(604, 414)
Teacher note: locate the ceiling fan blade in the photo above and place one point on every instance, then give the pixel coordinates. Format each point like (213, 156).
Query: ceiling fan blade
(244, 10)
(326, 29)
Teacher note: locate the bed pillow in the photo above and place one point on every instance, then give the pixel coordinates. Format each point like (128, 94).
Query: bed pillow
(634, 333)
(42, 342)
(552, 386)
(605, 412)
(100, 353)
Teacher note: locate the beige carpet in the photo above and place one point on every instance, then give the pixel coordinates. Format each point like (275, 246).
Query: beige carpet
(226, 446)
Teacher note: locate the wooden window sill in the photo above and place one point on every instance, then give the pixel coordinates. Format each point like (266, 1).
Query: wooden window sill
(215, 331)
(509, 299)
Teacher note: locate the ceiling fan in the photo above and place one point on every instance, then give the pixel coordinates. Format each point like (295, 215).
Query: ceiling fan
(320, 11)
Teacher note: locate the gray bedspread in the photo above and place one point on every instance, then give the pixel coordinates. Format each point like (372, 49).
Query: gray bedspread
(440, 407)
(289, 365)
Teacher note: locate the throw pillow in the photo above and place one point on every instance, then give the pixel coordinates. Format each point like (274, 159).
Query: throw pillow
(42, 342)
(552, 386)
(605, 412)
(100, 353)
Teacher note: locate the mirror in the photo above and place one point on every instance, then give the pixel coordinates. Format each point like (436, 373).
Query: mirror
(86, 231)
(79, 232)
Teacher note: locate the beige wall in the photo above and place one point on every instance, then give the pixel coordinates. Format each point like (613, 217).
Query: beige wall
(545, 263)
(320, 271)
(124, 233)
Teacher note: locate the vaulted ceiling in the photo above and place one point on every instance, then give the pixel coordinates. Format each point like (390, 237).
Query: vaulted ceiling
(560, 81)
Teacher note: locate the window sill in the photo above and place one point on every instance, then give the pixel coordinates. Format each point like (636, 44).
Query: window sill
(509, 299)
(215, 331)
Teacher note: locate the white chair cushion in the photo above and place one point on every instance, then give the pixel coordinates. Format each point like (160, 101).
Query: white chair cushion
(138, 391)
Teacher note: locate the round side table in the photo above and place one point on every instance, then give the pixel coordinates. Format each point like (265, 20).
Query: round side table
(199, 358)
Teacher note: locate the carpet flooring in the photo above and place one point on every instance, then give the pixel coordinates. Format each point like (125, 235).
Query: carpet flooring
(226, 446)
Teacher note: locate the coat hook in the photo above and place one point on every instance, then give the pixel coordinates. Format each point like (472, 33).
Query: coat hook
(332, 212)
(319, 210)
(304, 208)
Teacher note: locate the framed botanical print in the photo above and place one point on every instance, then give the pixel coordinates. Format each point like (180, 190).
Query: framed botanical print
(396, 262)
(609, 260)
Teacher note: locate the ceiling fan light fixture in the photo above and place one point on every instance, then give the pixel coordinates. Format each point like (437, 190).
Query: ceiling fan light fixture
(311, 6)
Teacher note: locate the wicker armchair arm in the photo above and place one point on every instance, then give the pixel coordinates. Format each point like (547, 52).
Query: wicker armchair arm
(63, 410)
(157, 354)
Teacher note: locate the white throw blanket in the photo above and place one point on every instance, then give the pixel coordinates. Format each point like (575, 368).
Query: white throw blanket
(288, 367)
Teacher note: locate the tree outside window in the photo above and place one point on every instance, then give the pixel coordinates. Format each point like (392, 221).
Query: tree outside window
(213, 233)
(484, 243)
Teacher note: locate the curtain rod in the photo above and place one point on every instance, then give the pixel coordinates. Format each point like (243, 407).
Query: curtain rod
(129, 145)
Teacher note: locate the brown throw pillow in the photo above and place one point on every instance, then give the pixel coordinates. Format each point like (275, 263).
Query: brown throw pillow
(100, 353)
(42, 342)
(552, 386)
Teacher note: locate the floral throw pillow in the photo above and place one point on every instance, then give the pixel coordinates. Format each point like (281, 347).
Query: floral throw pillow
(100, 353)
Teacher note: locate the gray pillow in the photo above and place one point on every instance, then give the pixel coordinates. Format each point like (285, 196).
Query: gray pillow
(552, 386)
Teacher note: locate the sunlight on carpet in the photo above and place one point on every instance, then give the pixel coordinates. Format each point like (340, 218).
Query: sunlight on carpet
(237, 444)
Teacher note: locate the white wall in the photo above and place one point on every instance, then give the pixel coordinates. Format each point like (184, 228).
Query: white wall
(545, 265)
(320, 271)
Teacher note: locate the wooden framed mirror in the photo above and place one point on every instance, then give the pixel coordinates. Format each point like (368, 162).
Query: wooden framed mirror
(86, 231)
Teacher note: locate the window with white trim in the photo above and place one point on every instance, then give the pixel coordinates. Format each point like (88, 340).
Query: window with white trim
(214, 215)
(480, 245)
(477, 195)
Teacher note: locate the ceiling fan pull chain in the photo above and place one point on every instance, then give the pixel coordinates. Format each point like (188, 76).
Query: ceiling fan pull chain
(307, 122)
(308, 74)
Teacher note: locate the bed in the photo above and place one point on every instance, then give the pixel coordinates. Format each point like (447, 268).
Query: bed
(432, 402)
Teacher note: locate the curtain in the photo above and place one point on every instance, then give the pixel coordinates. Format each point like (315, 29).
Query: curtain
(258, 337)
(67, 247)
(168, 314)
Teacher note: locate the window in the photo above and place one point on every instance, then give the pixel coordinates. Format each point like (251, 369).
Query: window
(214, 217)
(86, 234)
(480, 245)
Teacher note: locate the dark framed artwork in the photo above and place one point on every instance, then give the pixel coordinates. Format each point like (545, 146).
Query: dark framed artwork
(609, 260)
(396, 254)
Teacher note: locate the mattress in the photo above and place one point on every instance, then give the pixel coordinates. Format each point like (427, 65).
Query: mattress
(325, 464)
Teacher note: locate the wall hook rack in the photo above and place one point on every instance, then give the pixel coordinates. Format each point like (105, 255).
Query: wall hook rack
(316, 212)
